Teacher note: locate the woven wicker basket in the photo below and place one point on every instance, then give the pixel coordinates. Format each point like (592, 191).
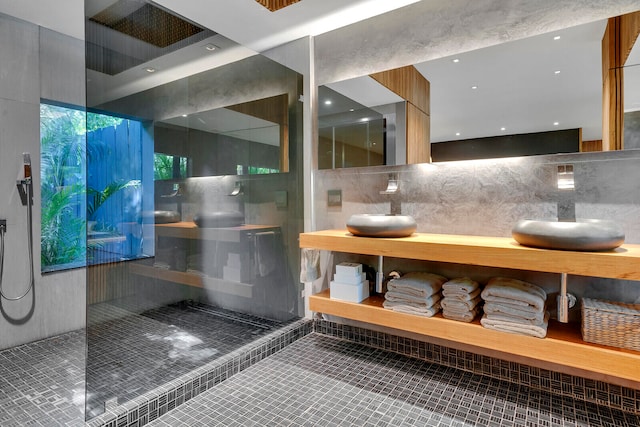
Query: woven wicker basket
(611, 323)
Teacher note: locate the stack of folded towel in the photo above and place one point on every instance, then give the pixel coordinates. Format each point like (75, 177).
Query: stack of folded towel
(415, 293)
(515, 306)
(461, 298)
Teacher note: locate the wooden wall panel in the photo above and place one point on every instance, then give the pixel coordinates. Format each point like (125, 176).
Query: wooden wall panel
(418, 131)
(408, 83)
(274, 5)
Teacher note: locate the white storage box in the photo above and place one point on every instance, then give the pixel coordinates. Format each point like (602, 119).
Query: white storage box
(349, 292)
(349, 279)
(349, 269)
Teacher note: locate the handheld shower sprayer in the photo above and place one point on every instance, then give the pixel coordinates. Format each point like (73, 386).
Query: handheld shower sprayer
(25, 189)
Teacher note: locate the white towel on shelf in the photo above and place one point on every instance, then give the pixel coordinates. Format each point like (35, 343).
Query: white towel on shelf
(466, 316)
(462, 296)
(505, 318)
(518, 292)
(517, 312)
(429, 301)
(459, 305)
(417, 283)
(538, 331)
(460, 286)
(408, 308)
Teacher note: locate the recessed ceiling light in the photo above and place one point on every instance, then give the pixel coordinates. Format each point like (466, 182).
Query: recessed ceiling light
(150, 70)
(456, 60)
(185, 115)
(364, 119)
(556, 123)
(556, 72)
(503, 128)
(351, 109)
(211, 47)
(457, 133)
(556, 38)
(327, 102)
(474, 87)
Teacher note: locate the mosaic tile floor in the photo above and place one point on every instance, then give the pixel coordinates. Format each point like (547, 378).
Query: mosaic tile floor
(133, 354)
(42, 383)
(324, 381)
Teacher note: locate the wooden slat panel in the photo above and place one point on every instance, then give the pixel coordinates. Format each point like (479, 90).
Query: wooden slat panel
(504, 252)
(408, 83)
(563, 350)
(587, 146)
(274, 5)
(418, 131)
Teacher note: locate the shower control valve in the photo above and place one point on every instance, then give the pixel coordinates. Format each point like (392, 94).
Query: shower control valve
(3, 225)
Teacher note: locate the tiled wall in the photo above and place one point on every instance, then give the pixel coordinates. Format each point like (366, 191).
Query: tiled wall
(558, 383)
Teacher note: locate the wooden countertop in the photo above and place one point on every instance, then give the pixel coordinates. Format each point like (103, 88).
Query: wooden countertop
(504, 252)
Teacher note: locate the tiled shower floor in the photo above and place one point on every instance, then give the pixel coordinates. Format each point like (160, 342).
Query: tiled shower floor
(43, 383)
(131, 355)
(324, 381)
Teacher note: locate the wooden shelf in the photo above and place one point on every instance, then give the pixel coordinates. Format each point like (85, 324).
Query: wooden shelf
(189, 230)
(621, 263)
(562, 350)
(211, 283)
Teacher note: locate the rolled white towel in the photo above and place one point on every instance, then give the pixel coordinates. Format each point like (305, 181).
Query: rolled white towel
(519, 292)
(460, 285)
(456, 304)
(408, 308)
(514, 311)
(466, 316)
(517, 328)
(462, 296)
(417, 283)
(407, 298)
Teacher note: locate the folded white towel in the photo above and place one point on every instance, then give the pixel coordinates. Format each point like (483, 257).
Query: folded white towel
(466, 316)
(504, 318)
(503, 307)
(417, 283)
(462, 296)
(456, 304)
(407, 298)
(517, 328)
(417, 309)
(461, 285)
(519, 292)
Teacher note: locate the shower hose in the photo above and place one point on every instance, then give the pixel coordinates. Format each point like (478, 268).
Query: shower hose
(30, 236)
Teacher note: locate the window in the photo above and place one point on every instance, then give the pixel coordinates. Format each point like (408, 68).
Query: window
(86, 199)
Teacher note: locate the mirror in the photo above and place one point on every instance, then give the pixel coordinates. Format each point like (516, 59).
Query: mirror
(230, 120)
(508, 99)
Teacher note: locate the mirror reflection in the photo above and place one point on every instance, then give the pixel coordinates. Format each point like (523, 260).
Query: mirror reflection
(539, 95)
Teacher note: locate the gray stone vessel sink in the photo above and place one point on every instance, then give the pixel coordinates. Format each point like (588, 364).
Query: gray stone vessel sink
(221, 219)
(380, 225)
(579, 235)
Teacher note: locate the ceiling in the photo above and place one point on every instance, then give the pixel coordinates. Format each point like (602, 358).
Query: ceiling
(244, 27)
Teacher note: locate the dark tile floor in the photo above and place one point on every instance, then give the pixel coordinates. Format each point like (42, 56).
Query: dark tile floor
(132, 354)
(325, 381)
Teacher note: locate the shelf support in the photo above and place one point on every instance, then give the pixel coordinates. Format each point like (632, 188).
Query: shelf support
(380, 274)
(565, 300)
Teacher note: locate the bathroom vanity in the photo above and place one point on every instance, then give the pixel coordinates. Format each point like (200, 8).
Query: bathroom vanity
(563, 349)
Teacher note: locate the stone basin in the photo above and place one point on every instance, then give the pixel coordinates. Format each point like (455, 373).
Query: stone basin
(219, 219)
(579, 235)
(380, 225)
